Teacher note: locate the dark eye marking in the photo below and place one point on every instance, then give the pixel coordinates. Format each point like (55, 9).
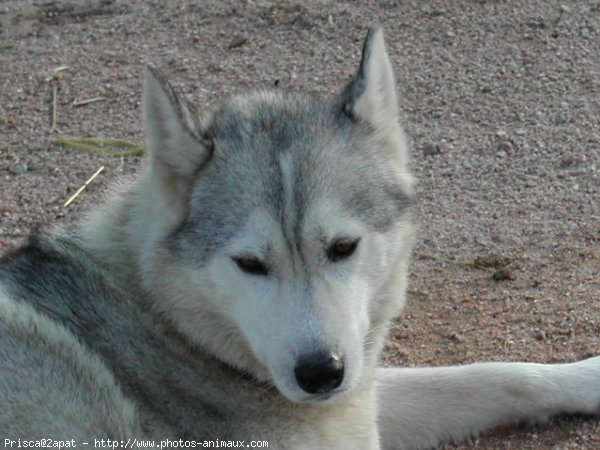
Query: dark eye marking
(342, 249)
(251, 265)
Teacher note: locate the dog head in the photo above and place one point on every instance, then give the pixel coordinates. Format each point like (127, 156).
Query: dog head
(277, 229)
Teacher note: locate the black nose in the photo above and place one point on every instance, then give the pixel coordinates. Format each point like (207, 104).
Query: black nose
(319, 373)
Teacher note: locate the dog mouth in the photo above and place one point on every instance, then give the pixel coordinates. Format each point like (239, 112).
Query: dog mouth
(325, 398)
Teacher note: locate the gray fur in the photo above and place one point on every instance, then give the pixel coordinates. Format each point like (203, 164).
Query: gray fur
(250, 134)
(174, 387)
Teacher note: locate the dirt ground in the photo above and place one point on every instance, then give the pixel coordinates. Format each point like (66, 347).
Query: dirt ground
(501, 99)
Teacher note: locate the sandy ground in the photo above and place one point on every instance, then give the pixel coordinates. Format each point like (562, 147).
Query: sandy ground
(501, 99)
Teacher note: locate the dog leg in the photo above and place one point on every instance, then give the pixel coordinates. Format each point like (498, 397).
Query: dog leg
(421, 408)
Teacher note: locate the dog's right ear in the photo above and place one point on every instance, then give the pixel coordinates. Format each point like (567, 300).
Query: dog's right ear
(371, 96)
(171, 134)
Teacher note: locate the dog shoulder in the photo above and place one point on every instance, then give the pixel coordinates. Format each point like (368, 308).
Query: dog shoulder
(51, 385)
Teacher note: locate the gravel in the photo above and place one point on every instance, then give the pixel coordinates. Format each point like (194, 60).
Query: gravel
(501, 99)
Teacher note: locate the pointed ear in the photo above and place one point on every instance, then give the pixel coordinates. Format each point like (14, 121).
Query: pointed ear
(171, 134)
(371, 96)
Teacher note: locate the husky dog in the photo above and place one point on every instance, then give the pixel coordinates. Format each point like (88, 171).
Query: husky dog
(241, 289)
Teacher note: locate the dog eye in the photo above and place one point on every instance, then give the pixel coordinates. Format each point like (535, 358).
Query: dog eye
(341, 249)
(251, 266)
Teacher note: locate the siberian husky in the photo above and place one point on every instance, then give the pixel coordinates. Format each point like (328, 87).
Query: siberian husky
(239, 292)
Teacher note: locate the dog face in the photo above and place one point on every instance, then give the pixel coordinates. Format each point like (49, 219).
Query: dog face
(277, 226)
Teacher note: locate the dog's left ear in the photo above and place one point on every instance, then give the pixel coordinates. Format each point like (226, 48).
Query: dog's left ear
(371, 95)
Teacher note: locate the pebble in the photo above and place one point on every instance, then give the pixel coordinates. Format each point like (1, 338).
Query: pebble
(237, 41)
(567, 161)
(561, 119)
(540, 335)
(503, 274)
(19, 169)
(505, 147)
(430, 149)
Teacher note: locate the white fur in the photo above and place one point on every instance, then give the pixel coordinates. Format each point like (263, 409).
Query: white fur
(419, 408)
